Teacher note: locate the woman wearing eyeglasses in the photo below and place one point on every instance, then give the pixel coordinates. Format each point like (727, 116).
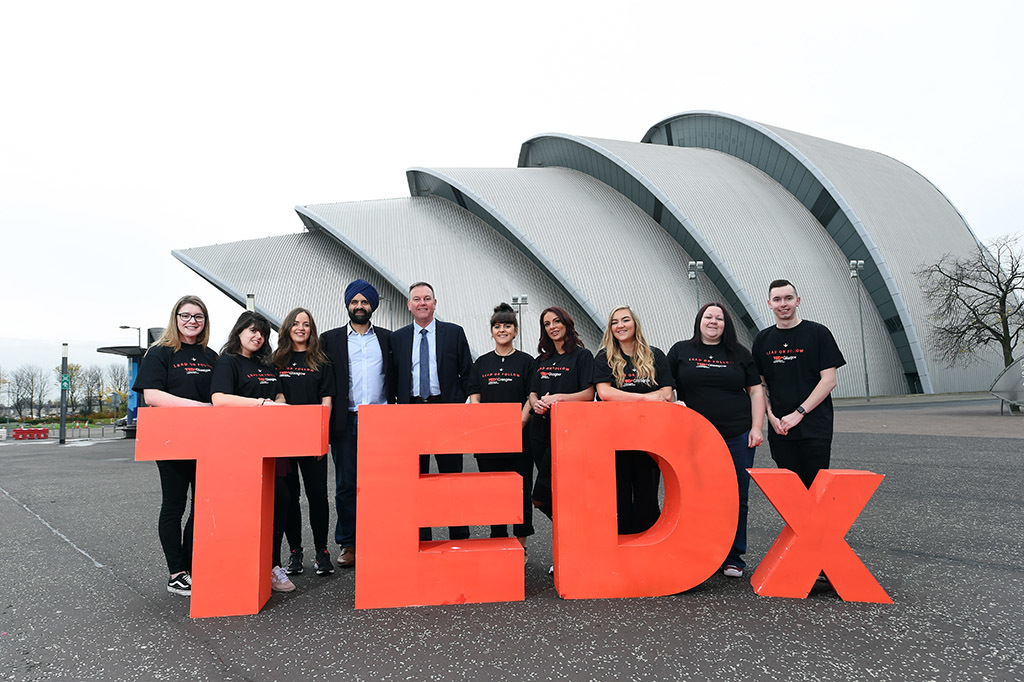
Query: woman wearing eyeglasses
(245, 377)
(176, 372)
(303, 372)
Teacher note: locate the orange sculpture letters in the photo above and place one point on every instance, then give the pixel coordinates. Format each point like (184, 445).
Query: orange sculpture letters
(698, 520)
(817, 521)
(394, 501)
(234, 449)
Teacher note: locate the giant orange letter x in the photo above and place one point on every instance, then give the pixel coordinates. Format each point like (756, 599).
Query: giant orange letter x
(813, 540)
(234, 449)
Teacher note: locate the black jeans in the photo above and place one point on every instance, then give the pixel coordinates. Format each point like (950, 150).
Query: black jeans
(282, 507)
(637, 476)
(176, 476)
(806, 456)
(314, 477)
(522, 464)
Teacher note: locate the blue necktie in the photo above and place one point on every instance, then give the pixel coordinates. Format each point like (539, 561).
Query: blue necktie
(424, 365)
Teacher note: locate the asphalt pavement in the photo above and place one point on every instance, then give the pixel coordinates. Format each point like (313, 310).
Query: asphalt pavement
(83, 583)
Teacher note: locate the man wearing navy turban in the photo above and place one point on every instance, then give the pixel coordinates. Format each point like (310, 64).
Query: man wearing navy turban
(359, 352)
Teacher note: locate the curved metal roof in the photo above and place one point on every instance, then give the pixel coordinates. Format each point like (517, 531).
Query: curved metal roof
(471, 267)
(306, 269)
(751, 229)
(766, 150)
(598, 244)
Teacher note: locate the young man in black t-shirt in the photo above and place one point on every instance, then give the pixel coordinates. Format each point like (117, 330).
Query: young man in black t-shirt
(797, 360)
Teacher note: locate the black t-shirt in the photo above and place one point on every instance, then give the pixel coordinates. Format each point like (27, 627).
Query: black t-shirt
(239, 375)
(630, 383)
(302, 385)
(566, 373)
(714, 384)
(186, 373)
(790, 360)
(504, 379)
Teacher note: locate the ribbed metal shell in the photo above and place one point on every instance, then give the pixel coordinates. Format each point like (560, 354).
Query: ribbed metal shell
(872, 206)
(471, 267)
(307, 269)
(913, 224)
(595, 242)
(750, 228)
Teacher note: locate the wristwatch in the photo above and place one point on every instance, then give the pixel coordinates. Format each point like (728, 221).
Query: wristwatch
(800, 409)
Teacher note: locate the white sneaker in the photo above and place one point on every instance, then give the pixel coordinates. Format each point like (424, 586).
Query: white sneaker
(732, 572)
(279, 581)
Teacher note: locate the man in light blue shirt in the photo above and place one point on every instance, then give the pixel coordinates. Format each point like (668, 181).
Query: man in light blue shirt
(359, 352)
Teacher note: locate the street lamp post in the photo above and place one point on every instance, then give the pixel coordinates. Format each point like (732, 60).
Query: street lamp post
(693, 268)
(855, 268)
(250, 302)
(126, 326)
(64, 386)
(519, 302)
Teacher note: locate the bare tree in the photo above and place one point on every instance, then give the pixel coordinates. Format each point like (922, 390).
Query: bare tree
(29, 388)
(41, 383)
(93, 383)
(976, 300)
(117, 375)
(75, 376)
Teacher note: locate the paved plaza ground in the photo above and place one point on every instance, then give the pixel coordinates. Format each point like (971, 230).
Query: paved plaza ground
(82, 580)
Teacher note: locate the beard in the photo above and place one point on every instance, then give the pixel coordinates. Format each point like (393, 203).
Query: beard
(359, 316)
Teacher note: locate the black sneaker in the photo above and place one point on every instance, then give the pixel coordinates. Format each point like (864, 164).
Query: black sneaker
(180, 584)
(323, 564)
(295, 562)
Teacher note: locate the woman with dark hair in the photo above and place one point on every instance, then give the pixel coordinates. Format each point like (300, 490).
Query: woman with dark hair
(716, 376)
(563, 372)
(305, 379)
(176, 372)
(244, 376)
(503, 376)
(627, 368)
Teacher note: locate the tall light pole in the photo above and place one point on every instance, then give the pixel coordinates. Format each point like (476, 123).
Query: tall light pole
(250, 302)
(692, 269)
(127, 326)
(519, 302)
(65, 384)
(855, 268)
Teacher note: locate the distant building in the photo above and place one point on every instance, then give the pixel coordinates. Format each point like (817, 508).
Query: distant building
(590, 224)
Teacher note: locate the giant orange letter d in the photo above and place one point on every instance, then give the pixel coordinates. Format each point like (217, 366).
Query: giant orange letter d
(698, 521)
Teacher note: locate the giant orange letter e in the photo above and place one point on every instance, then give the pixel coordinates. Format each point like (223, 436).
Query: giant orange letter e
(234, 449)
(817, 521)
(698, 520)
(393, 501)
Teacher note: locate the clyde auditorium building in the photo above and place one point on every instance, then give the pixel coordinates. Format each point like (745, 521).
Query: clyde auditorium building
(590, 224)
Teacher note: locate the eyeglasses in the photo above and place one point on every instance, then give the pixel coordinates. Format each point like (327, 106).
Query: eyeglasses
(198, 317)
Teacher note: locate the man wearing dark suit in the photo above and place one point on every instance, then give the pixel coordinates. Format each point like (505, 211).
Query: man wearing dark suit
(432, 365)
(360, 353)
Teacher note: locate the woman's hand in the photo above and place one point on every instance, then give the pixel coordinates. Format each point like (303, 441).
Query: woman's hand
(755, 438)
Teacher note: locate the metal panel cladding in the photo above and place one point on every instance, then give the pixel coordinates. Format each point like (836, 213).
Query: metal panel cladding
(308, 270)
(594, 240)
(471, 267)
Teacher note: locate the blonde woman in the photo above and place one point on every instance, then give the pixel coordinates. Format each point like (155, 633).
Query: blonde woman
(176, 372)
(629, 368)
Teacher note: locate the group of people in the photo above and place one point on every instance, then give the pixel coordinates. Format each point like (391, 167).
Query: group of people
(787, 376)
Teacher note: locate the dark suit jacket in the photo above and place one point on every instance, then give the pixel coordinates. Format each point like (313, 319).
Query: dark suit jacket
(335, 344)
(454, 363)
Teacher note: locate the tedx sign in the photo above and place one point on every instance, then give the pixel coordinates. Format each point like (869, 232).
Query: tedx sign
(235, 447)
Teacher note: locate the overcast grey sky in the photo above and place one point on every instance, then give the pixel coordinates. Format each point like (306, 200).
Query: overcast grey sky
(130, 129)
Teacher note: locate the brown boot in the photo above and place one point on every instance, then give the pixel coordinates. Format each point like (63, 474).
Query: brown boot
(347, 558)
